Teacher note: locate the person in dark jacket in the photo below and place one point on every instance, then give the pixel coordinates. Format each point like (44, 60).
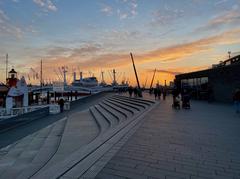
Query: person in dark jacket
(135, 91)
(236, 99)
(61, 104)
(164, 93)
(130, 91)
(185, 99)
(159, 92)
(155, 93)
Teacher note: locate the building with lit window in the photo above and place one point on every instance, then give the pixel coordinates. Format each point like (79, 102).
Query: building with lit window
(217, 83)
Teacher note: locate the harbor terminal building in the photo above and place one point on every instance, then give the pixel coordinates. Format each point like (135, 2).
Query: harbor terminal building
(217, 83)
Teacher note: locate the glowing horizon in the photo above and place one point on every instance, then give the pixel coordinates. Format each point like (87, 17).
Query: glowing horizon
(94, 36)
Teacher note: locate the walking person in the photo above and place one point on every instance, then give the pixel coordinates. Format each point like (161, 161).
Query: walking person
(155, 93)
(159, 92)
(164, 93)
(236, 99)
(185, 99)
(130, 91)
(176, 98)
(61, 104)
(151, 91)
(135, 91)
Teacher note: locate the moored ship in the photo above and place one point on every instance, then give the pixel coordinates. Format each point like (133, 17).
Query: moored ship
(84, 82)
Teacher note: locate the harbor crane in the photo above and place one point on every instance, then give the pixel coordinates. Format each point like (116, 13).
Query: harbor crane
(135, 71)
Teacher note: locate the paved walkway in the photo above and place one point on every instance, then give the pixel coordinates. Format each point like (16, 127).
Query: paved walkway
(203, 142)
(22, 131)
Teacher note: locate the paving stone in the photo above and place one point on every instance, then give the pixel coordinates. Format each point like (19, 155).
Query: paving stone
(109, 176)
(196, 143)
(199, 143)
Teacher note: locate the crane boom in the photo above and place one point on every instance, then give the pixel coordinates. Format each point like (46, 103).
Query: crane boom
(153, 78)
(135, 71)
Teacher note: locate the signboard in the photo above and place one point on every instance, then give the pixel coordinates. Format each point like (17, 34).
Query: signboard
(58, 86)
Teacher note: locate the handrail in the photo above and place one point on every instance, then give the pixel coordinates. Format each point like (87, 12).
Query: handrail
(18, 111)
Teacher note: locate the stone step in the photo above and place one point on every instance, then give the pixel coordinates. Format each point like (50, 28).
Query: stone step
(104, 124)
(47, 151)
(110, 122)
(122, 107)
(127, 104)
(139, 100)
(80, 130)
(108, 116)
(144, 106)
(118, 115)
(42, 147)
(151, 101)
(120, 110)
(81, 160)
(79, 168)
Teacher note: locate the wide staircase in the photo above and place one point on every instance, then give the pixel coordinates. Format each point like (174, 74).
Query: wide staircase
(69, 147)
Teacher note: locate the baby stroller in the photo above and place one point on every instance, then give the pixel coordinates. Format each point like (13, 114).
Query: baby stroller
(176, 102)
(186, 101)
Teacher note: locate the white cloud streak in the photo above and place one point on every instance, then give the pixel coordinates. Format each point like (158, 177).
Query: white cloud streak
(108, 10)
(166, 15)
(125, 9)
(7, 28)
(47, 5)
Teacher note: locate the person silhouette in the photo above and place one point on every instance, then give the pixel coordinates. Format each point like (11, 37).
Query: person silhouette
(130, 91)
(135, 90)
(61, 104)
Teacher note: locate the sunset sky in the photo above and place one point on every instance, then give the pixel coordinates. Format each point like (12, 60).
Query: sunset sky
(173, 36)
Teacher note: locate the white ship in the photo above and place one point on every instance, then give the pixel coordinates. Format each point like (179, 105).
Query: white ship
(84, 82)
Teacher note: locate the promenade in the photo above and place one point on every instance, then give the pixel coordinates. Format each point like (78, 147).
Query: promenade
(199, 143)
(113, 136)
(21, 131)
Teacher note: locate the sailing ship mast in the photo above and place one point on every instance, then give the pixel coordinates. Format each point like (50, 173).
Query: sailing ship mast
(102, 75)
(64, 68)
(114, 77)
(6, 67)
(41, 76)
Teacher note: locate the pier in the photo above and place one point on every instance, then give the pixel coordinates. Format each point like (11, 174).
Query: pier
(114, 136)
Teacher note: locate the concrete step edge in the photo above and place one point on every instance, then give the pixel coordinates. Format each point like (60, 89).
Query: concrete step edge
(131, 102)
(138, 99)
(104, 116)
(125, 103)
(114, 108)
(120, 106)
(118, 118)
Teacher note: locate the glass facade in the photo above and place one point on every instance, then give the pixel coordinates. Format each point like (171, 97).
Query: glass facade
(193, 82)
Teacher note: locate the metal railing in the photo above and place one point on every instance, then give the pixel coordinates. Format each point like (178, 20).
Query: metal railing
(7, 113)
(53, 109)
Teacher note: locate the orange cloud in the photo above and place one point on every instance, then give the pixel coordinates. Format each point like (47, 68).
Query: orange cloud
(168, 74)
(95, 58)
(168, 54)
